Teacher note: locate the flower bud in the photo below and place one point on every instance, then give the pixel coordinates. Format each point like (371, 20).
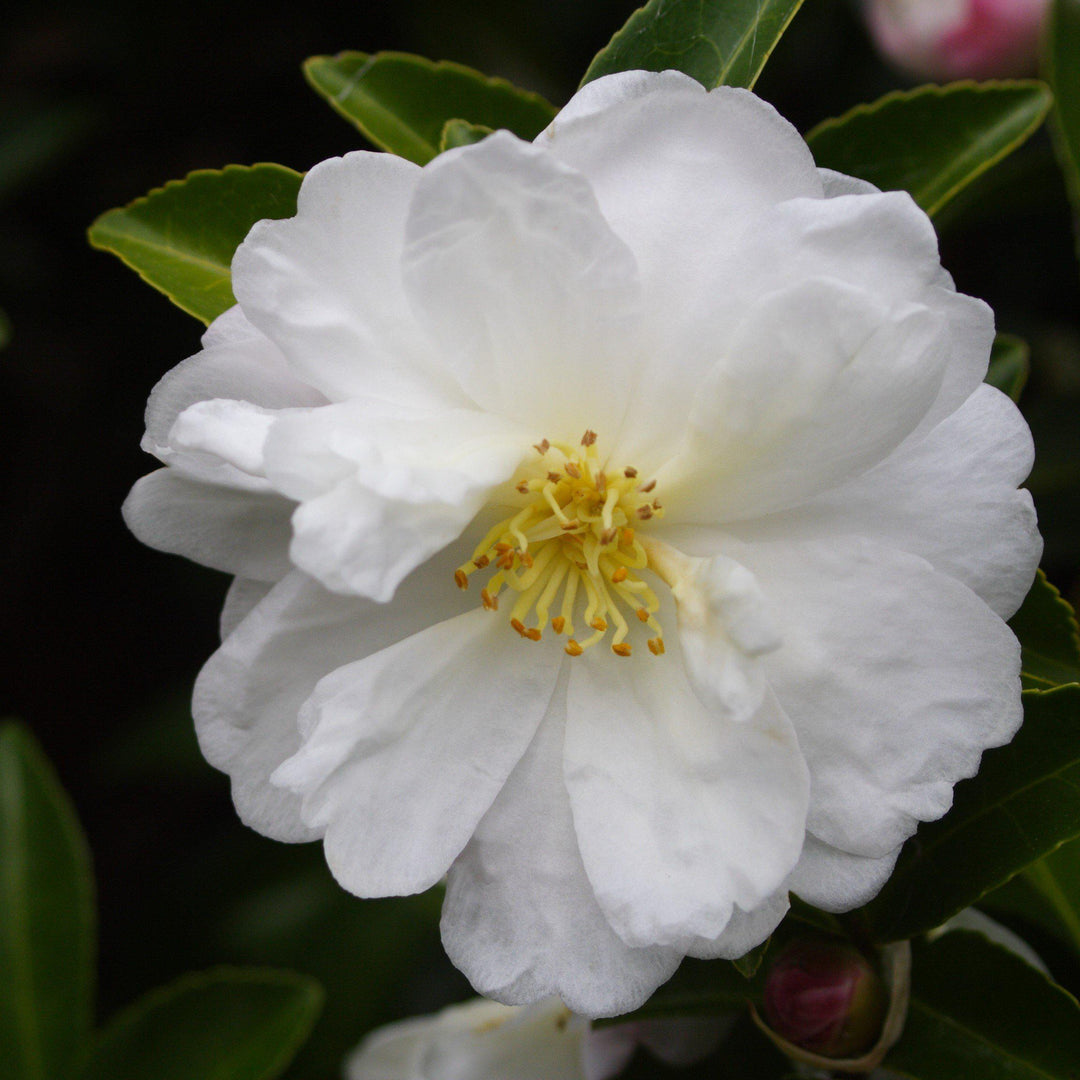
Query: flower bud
(825, 997)
(958, 39)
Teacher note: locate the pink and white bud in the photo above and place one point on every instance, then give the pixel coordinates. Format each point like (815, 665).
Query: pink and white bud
(826, 998)
(958, 39)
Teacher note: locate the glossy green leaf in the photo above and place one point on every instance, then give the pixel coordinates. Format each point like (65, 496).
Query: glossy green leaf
(226, 1024)
(1009, 365)
(181, 238)
(1049, 638)
(934, 140)
(717, 42)
(461, 133)
(979, 1011)
(401, 102)
(46, 918)
(1057, 879)
(1024, 802)
(1062, 61)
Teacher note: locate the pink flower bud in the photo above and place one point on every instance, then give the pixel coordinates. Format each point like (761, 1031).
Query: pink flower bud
(958, 39)
(825, 997)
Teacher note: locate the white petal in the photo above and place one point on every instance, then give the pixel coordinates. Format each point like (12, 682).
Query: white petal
(242, 598)
(232, 433)
(896, 678)
(681, 815)
(249, 693)
(484, 1041)
(532, 298)
(820, 382)
(384, 488)
(835, 880)
(325, 286)
(672, 164)
(724, 626)
(240, 532)
(520, 919)
(404, 751)
(951, 497)
(236, 362)
(745, 929)
(393, 1052)
(836, 183)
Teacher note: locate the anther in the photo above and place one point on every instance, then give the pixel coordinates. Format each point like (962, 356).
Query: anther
(608, 535)
(460, 579)
(523, 487)
(642, 614)
(588, 438)
(526, 559)
(557, 624)
(646, 488)
(627, 537)
(622, 649)
(656, 646)
(533, 634)
(491, 603)
(572, 470)
(621, 574)
(644, 512)
(542, 447)
(598, 624)
(480, 562)
(554, 477)
(629, 472)
(571, 525)
(506, 560)
(502, 547)
(518, 625)
(573, 648)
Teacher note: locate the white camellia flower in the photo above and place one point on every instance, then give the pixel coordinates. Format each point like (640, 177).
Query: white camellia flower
(621, 529)
(482, 1040)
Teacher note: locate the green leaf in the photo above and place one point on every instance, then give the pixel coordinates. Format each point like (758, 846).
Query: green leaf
(978, 1010)
(1024, 802)
(226, 1024)
(1057, 880)
(461, 133)
(1049, 637)
(401, 102)
(1009, 365)
(717, 42)
(1062, 62)
(47, 937)
(181, 238)
(934, 140)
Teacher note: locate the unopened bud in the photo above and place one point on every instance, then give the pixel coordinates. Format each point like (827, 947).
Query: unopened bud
(958, 39)
(825, 997)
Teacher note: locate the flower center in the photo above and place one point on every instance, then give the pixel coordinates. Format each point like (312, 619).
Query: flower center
(572, 545)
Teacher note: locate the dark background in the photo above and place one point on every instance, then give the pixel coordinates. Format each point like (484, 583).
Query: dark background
(102, 638)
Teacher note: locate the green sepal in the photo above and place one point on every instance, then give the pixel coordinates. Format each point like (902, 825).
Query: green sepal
(1010, 365)
(1049, 637)
(181, 237)
(402, 102)
(47, 928)
(717, 42)
(224, 1024)
(1023, 803)
(978, 1010)
(458, 132)
(934, 140)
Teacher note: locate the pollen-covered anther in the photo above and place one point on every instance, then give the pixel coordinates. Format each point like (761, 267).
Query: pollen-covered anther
(656, 646)
(569, 551)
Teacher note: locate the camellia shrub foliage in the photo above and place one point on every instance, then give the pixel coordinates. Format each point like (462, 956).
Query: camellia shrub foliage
(631, 558)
